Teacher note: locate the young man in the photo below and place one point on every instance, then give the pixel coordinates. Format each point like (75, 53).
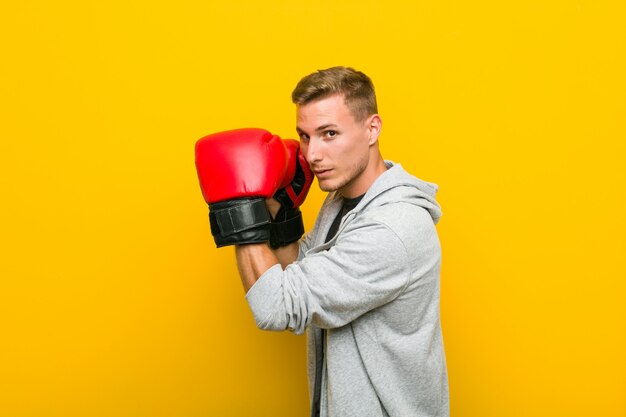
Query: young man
(364, 282)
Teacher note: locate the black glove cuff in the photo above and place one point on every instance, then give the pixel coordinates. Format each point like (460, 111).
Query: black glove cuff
(287, 231)
(240, 221)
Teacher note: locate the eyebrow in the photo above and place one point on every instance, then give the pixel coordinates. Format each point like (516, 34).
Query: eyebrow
(323, 127)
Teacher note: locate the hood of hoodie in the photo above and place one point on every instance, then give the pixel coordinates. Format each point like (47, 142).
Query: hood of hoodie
(395, 185)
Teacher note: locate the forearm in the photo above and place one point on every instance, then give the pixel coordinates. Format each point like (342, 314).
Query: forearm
(287, 254)
(253, 260)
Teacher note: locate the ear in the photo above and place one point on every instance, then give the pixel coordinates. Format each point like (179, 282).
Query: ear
(374, 125)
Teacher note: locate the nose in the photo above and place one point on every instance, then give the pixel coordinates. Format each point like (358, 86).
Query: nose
(311, 152)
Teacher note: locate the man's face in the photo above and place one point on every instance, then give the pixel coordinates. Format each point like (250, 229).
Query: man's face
(335, 145)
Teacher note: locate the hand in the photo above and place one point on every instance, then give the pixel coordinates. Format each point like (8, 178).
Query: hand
(287, 225)
(236, 187)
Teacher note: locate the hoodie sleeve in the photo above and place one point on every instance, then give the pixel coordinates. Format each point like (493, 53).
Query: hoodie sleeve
(367, 267)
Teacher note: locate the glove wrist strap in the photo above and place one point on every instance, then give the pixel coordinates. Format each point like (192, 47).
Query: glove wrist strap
(288, 230)
(239, 221)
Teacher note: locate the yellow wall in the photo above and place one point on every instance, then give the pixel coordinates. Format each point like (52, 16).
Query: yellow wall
(113, 299)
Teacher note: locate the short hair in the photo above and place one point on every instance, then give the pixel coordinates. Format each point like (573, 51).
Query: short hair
(356, 88)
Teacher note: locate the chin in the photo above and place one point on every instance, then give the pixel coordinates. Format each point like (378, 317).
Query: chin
(330, 186)
(326, 185)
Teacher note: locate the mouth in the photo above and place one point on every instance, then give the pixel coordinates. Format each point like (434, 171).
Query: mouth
(322, 173)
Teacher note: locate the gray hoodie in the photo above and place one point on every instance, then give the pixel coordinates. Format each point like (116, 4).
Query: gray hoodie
(375, 288)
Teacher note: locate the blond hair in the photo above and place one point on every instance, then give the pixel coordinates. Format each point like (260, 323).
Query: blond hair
(356, 88)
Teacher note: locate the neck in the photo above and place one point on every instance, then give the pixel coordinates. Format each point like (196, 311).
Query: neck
(361, 184)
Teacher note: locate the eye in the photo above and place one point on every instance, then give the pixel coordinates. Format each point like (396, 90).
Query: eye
(330, 133)
(304, 137)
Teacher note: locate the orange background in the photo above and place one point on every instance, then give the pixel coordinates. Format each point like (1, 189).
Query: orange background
(113, 299)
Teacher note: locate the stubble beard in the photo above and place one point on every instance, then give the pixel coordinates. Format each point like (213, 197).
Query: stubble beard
(353, 173)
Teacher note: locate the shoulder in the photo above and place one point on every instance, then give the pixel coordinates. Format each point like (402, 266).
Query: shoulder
(411, 223)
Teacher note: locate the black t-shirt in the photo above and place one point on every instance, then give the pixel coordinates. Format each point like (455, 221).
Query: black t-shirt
(348, 204)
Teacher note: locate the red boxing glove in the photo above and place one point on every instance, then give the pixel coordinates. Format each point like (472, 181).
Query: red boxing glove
(238, 170)
(287, 226)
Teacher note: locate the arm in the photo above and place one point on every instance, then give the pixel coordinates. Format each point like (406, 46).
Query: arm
(253, 260)
(287, 254)
(242, 211)
(367, 267)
